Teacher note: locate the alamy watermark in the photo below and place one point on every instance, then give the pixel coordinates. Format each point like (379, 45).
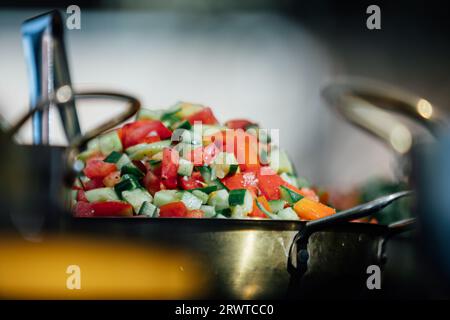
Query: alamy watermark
(373, 21)
(73, 20)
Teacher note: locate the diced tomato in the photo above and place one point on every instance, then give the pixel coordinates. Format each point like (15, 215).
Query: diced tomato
(308, 193)
(270, 185)
(112, 179)
(152, 182)
(103, 209)
(112, 209)
(245, 180)
(151, 139)
(205, 116)
(142, 131)
(81, 196)
(83, 209)
(93, 184)
(169, 168)
(96, 168)
(192, 182)
(173, 210)
(238, 123)
(195, 214)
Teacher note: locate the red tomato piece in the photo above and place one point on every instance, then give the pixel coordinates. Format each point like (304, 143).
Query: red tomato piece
(112, 209)
(96, 168)
(138, 131)
(83, 209)
(193, 182)
(81, 196)
(169, 168)
(195, 214)
(245, 180)
(152, 182)
(270, 185)
(238, 123)
(173, 210)
(204, 116)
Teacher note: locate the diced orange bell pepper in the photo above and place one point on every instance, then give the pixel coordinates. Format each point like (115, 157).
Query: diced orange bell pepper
(310, 210)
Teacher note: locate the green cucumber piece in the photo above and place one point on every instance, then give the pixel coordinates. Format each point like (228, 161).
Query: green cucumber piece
(206, 190)
(148, 209)
(127, 182)
(142, 150)
(267, 213)
(237, 197)
(183, 125)
(113, 157)
(201, 195)
(289, 195)
(124, 160)
(224, 213)
(287, 214)
(130, 168)
(83, 156)
(277, 205)
(163, 197)
(109, 142)
(219, 199)
(136, 198)
(209, 211)
(101, 194)
(191, 201)
(185, 167)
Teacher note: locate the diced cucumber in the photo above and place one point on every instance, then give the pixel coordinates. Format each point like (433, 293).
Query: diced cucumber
(136, 198)
(130, 168)
(163, 197)
(124, 160)
(222, 163)
(146, 114)
(221, 216)
(182, 135)
(191, 201)
(225, 213)
(101, 194)
(219, 199)
(287, 214)
(209, 211)
(279, 161)
(184, 124)
(109, 142)
(277, 205)
(185, 167)
(153, 162)
(201, 195)
(113, 157)
(237, 197)
(205, 171)
(289, 178)
(127, 182)
(265, 211)
(207, 189)
(289, 195)
(141, 150)
(241, 201)
(148, 209)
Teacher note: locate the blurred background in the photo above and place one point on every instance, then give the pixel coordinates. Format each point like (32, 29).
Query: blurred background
(265, 60)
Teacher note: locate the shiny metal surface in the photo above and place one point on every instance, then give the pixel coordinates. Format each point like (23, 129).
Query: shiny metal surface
(48, 70)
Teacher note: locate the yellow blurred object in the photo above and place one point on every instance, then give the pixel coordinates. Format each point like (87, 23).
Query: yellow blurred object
(424, 108)
(109, 269)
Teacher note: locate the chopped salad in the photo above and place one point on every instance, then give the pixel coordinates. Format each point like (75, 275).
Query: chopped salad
(182, 162)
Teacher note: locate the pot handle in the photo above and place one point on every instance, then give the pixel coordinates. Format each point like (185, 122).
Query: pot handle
(60, 99)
